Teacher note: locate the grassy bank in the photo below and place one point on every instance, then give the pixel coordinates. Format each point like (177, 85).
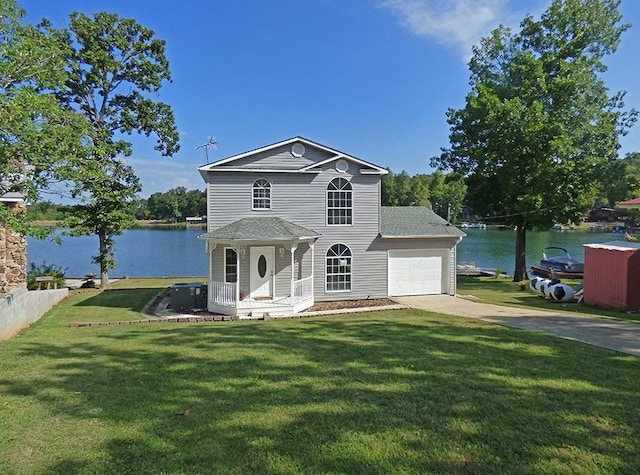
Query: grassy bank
(385, 392)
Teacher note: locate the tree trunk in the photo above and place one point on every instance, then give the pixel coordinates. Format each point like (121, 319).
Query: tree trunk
(520, 272)
(104, 268)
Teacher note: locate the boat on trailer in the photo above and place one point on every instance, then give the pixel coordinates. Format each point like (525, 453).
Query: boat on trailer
(557, 262)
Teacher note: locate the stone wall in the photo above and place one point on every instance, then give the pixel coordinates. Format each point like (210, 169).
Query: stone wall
(13, 254)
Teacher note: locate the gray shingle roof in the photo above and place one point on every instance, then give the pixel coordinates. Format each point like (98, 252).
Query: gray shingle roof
(414, 221)
(261, 228)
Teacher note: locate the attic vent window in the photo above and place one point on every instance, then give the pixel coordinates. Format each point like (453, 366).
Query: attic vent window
(297, 149)
(342, 166)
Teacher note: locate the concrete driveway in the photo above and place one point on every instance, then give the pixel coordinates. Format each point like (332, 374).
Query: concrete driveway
(605, 333)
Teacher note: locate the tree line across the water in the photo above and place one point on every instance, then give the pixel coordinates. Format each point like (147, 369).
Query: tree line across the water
(173, 205)
(444, 193)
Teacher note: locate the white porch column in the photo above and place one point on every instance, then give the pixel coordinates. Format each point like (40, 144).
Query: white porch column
(239, 252)
(210, 247)
(293, 271)
(313, 263)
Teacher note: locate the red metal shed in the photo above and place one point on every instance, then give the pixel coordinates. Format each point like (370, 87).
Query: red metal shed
(612, 275)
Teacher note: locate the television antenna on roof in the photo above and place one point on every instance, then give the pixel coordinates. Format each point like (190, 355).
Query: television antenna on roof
(211, 144)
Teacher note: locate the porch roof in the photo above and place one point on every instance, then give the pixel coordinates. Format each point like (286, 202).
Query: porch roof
(414, 222)
(265, 228)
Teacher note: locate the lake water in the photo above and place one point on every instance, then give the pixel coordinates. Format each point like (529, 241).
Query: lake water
(493, 248)
(138, 253)
(179, 253)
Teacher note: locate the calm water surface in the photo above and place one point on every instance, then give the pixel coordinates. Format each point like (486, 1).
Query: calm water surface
(493, 249)
(179, 253)
(138, 253)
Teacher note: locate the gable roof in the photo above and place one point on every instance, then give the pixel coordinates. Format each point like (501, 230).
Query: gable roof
(370, 168)
(263, 228)
(414, 222)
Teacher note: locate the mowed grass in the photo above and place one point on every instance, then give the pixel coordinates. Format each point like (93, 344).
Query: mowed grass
(376, 393)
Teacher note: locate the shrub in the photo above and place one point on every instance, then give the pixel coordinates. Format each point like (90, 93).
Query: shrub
(45, 269)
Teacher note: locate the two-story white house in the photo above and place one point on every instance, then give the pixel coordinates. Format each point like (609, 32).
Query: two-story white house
(296, 222)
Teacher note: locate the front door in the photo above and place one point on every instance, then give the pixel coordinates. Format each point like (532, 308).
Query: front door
(261, 272)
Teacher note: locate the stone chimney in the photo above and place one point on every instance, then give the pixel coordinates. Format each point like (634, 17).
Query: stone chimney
(13, 252)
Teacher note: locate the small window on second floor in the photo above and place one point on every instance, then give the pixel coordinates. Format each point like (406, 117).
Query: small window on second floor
(261, 194)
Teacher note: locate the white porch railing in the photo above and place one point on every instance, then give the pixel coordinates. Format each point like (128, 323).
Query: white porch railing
(302, 289)
(222, 293)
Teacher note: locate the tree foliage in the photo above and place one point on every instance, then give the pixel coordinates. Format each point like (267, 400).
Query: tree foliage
(114, 67)
(621, 182)
(539, 130)
(443, 193)
(173, 205)
(37, 135)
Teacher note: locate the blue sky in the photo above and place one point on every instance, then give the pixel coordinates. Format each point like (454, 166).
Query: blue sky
(372, 78)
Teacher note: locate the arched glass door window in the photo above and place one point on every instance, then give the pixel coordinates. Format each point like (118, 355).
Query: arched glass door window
(261, 194)
(338, 268)
(339, 202)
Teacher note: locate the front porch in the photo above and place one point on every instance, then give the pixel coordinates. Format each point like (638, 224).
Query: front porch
(260, 266)
(222, 299)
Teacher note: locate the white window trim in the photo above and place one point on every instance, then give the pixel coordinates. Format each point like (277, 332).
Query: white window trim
(326, 279)
(253, 207)
(326, 203)
(224, 271)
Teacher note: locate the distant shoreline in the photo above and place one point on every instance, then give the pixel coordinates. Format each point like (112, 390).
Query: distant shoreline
(141, 223)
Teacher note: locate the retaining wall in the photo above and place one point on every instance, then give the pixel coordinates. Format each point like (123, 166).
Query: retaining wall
(21, 307)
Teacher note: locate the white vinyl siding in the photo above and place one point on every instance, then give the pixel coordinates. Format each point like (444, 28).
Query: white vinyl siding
(301, 198)
(279, 158)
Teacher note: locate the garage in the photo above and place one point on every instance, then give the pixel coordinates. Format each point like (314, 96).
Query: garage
(417, 272)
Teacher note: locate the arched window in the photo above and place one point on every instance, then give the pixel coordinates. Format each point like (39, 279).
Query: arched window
(339, 202)
(338, 273)
(261, 194)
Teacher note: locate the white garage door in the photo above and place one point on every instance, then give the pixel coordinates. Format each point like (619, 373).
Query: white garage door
(416, 272)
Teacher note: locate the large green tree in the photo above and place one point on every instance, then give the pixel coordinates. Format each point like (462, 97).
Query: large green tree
(447, 194)
(539, 129)
(115, 69)
(37, 134)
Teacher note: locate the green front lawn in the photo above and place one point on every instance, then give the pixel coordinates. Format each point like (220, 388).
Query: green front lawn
(376, 393)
